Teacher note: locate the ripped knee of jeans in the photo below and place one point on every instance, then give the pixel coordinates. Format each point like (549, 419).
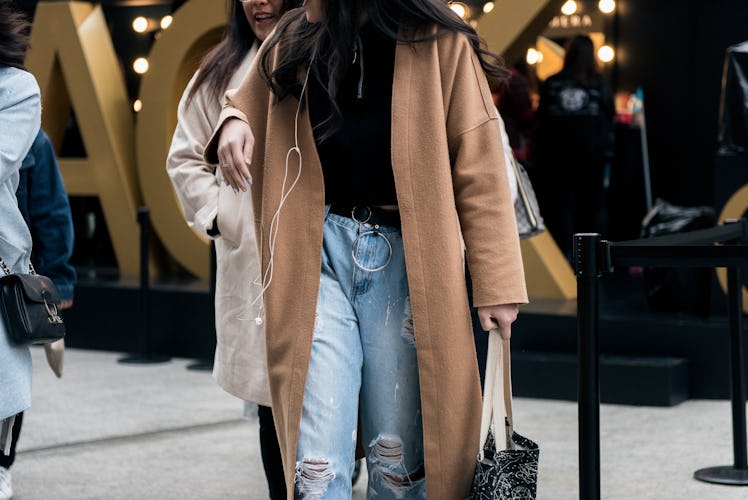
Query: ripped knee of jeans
(387, 456)
(313, 476)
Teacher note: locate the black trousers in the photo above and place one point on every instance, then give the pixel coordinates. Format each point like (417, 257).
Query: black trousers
(271, 456)
(7, 460)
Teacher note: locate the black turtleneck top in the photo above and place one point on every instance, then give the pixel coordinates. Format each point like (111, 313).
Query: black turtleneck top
(356, 159)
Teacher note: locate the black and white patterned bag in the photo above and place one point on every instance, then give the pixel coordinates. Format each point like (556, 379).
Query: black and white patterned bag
(509, 472)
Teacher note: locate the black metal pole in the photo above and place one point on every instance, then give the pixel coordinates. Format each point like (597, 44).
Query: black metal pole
(737, 366)
(586, 247)
(146, 355)
(144, 220)
(736, 474)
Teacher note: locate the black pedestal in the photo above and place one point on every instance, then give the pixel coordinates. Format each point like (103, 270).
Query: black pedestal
(724, 474)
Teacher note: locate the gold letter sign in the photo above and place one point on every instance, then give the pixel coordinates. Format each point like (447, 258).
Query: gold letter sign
(74, 61)
(197, 26)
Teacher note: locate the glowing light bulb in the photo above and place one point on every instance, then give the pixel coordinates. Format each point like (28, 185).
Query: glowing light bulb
(606, 6)
(533, 56)
(166, 22)
(140, 65)
(569, 8)
(137, 105)
(140, 24)
(459, 8)
(606, 53)
(488, 7)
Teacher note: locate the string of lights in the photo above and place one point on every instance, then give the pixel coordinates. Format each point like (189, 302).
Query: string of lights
(146, 19)
(573, 14)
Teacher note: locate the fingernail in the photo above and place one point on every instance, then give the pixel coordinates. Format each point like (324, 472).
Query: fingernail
(249, 181)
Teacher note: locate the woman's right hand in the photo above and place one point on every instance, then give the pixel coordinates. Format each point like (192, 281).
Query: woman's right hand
(235, 144)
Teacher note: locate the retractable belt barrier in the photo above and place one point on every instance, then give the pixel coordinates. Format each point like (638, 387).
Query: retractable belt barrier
(593, 257)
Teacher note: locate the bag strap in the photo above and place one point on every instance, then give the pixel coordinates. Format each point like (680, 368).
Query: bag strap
(497, 392)
(6, 269)
(506, 358)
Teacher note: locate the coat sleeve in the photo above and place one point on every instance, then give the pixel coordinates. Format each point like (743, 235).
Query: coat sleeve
(193, 178)
(20, 118)
(236, 102)
(49, 218)
(252, 94)
(481, 185)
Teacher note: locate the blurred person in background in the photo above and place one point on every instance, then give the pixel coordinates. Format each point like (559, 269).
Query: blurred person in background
(516, 100)
(212, 208)
(20, 118)
(574, 145)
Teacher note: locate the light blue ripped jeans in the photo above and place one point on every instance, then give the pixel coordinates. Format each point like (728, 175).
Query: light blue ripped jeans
(363, 347)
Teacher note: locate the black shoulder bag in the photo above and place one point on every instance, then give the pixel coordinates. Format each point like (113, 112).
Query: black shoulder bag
(28, 306)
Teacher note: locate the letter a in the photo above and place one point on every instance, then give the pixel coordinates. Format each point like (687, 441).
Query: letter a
(75, 64)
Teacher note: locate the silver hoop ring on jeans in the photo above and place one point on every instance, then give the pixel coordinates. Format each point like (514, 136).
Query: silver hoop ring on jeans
(355, 245)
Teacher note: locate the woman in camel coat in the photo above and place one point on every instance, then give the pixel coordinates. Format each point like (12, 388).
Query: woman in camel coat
(448, 183)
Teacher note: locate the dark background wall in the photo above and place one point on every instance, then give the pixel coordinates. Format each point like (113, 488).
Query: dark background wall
(674, 50)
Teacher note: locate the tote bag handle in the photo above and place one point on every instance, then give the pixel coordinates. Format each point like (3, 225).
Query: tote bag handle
(497, 393)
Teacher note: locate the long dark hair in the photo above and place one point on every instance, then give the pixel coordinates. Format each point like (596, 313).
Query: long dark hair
(14, 36)
(579, 60)
(218, 65)
(333, 40)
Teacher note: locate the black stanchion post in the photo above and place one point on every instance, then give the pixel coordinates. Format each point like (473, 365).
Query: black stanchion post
(206, 364)
(740, 447)
(736, 474)
(146, 355)
(586, 248)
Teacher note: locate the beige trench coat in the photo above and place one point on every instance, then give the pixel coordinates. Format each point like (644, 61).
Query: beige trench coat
(240, 367)
(450, 178)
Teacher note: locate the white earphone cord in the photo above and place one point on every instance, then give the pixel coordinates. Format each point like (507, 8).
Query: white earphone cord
(267, 276)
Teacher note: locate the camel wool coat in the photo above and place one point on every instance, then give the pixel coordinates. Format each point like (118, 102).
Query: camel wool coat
(451, 182)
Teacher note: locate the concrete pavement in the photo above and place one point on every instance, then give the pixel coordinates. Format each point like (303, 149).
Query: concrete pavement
(113, 431)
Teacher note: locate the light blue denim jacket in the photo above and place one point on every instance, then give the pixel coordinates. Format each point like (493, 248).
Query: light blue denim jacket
(20, 115)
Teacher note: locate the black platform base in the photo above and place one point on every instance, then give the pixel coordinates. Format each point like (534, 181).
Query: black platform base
(106, 316)
(143, 359)
(648, 381)
(648, 357)
(201, 365)
(725, 474)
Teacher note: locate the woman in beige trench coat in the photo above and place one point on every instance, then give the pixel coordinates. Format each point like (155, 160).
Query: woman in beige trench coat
(215, 211)
(389, 161)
